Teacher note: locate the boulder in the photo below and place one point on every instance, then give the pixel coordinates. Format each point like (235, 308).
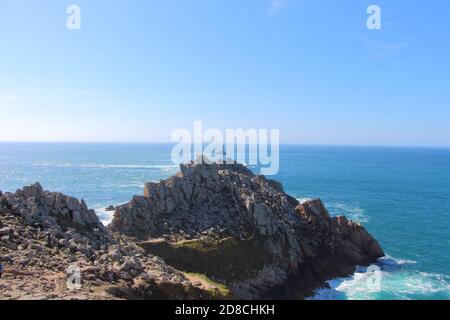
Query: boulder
(5, 231)
(33, 191)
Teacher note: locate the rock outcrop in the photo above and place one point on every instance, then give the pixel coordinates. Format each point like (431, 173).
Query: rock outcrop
(46, 236)
(213, 231)
(244, 231)
(53, 210)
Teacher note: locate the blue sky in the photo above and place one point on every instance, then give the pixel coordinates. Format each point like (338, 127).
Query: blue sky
(137, 70)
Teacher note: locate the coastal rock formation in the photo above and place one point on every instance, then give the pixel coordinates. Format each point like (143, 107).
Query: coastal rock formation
(46, 236)
(244, 231)
(212, 231)
(37, 206)
(350, 238)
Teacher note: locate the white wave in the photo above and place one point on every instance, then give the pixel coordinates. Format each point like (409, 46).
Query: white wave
(353, 212)
(163, 167)
(388, 260)
(396, 282)
(104, 216)
(128, 166)
(52, 164)
(132, 185)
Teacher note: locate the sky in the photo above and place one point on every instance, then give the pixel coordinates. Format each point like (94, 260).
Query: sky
(138, 70)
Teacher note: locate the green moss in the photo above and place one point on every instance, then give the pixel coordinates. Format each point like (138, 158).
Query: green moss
(228, 259)
(215, 289)
(206, 245)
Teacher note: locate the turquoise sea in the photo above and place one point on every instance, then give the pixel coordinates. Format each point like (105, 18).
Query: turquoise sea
(402, 196)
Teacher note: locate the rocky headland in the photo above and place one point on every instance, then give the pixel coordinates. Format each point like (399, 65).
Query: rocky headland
(212, 231)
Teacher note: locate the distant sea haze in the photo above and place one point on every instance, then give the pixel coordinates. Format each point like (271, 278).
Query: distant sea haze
(402, 196)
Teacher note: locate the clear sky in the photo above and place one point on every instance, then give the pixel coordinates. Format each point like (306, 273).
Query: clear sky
(137, 70)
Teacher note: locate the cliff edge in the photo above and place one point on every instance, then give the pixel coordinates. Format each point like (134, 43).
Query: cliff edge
(212, 231)
(53, 247)
(244, 231)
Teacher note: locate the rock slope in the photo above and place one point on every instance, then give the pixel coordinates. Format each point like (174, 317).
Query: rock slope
(43, 234)
(244, 231)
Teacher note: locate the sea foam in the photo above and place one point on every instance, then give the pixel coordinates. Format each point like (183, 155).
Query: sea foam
(397, 281)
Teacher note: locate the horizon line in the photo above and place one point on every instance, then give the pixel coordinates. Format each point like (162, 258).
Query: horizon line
(281, 144)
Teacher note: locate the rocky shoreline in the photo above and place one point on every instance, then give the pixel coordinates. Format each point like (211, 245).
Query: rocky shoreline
(212, 231)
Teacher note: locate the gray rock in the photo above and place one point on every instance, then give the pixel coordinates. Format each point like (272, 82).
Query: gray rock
(34, 191)
(222, 201)
(5, 231)
(263, 218)
(76, 217)
(73, 204)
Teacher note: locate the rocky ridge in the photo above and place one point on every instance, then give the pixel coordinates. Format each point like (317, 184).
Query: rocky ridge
(243, 230)
(212, 231)
(42, 234)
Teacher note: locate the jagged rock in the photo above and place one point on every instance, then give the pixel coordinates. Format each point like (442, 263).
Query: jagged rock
(240, 230)
(348, 237)
(263, 214)
(41, 236)
(33, 191)
(35, 205)
(314, 212)
(206, 209)
(73, 204)
(130, 263)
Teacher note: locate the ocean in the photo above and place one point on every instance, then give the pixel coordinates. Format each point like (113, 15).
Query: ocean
(401, 195)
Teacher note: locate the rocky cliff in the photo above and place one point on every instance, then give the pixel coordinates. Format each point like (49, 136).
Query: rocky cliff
(244, 231)
(213, 231)
(46, 237)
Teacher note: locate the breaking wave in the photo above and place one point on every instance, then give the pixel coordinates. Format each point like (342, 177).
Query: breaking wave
(397, 281)
(352, 212)
(165, 167)
(104, 216)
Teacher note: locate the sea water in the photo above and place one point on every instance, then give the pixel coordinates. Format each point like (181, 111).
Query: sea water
(401, 195)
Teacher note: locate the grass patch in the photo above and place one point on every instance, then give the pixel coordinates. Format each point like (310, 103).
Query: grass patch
(228, 259)
(215, 289)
